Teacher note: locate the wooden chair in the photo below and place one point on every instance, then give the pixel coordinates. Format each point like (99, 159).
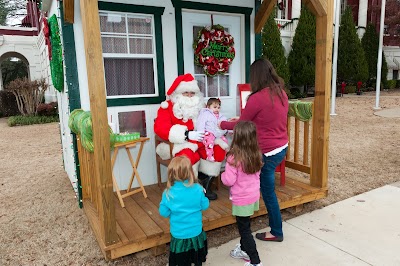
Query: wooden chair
(159, 160)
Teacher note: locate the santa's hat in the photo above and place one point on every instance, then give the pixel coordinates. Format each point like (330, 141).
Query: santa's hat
(183, 83)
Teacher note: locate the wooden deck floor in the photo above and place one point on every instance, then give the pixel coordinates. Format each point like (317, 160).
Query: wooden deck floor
(139, 225)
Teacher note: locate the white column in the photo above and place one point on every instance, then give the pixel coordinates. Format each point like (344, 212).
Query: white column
(296, 8)
(379, 63)
(335, 56)
(362, 17)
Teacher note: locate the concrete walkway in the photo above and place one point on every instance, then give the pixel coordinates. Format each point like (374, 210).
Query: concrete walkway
(362, 230)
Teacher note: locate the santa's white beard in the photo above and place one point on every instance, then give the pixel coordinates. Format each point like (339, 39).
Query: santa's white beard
(186, 108)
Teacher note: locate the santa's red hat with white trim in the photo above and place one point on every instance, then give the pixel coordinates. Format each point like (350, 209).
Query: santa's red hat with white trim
(183, 83)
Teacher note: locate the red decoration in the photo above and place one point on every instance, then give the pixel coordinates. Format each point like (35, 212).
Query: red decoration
(213, 50)
(281, 6)
(46, 32)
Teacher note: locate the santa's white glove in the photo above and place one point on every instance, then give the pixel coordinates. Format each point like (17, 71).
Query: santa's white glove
(196, 135)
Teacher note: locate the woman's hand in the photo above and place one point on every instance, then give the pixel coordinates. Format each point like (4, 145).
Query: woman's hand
(233, 119)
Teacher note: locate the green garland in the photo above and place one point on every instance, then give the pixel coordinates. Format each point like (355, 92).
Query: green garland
(56, 62)
(300, 110)
(80, 122)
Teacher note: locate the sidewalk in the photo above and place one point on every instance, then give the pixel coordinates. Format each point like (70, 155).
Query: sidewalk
(362, 230)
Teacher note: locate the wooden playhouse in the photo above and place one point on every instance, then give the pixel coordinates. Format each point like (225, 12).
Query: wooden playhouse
(103, 41)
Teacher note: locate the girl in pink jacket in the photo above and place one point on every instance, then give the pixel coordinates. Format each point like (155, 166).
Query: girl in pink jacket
(242, 175)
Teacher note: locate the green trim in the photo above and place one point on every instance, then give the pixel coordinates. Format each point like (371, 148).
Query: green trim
(258, 44)
(130, 8)
(178, 5)
(71, 75)
(179, 40)
(247, 46)
(157, 12)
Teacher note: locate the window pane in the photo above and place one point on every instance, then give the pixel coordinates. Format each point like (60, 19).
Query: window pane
(201, 83)
(139, 25)
(224, 85)
(212, 86)
(140, 46)
(134, 121)
(114, 23)
(129, 76)
(198, 69)
(114, 45)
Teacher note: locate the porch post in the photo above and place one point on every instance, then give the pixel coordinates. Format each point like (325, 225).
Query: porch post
(98, 107)
(323, 71)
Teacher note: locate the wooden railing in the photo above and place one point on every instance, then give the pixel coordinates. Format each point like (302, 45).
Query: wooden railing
(88, 181)
(298, 152)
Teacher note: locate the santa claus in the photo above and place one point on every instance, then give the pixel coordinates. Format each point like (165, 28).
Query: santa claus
(175, 122)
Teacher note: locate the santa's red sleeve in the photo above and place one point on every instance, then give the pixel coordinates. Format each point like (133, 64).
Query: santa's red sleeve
(164, 126)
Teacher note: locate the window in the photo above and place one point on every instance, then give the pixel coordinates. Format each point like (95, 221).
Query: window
(128, 52)
(131, 37)
(210, 86)
(395, 74)
(134, 121)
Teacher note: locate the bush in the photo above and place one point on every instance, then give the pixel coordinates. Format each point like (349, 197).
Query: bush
(47, 109)
(30, 120)
(295, 93)
(350, 89)
(391, 84)
(8, 104)
(398, 83)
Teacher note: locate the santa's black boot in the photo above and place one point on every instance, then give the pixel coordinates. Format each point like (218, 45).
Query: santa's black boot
(206, 182)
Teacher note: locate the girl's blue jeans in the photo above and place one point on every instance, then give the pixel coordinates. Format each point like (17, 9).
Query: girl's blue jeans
(267, 180)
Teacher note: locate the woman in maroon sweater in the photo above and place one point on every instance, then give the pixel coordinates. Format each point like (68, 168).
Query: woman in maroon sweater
(267, 106)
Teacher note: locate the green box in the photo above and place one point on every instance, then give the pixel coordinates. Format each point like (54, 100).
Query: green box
(127, 137)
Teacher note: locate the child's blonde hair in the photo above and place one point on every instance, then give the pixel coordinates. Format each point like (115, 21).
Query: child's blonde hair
(180, 169)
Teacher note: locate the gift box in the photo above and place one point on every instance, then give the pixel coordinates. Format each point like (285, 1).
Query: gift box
(127, 137)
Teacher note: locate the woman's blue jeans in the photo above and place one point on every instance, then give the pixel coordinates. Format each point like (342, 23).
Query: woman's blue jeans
(267, 180)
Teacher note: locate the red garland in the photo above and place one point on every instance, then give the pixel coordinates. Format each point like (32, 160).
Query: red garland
(213, 50)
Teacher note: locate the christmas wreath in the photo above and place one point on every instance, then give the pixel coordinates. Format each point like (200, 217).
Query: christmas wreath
(56, 62)
(213, 50)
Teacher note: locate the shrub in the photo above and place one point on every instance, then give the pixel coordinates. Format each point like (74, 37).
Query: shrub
(30, 120)
(29, 94)
(398, 83)
(390, 84)
(370, 43)
(352, 64)
(350, 89)
(47, 109)
(302, 56)
(8, 104)
(273, 50)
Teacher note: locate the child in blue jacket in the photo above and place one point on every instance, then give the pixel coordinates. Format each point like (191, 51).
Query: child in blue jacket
(183, 202)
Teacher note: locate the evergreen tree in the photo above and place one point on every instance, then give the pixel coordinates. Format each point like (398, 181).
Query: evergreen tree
(302, 56)
(370, 43)
(352, 65)
(272, 48)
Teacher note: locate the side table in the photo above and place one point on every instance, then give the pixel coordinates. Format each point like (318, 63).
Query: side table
(134, 164)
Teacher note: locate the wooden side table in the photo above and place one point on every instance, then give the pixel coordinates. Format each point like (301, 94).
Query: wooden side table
(134, 164)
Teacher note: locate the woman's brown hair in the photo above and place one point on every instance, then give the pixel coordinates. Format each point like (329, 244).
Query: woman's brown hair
(263, 75)
(245, 149)
(180, 169)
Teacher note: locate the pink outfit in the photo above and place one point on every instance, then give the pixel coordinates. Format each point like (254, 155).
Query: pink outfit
(207, 121)
(245, 188)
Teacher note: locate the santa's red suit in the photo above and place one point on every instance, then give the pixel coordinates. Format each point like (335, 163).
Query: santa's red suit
(176, 117)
